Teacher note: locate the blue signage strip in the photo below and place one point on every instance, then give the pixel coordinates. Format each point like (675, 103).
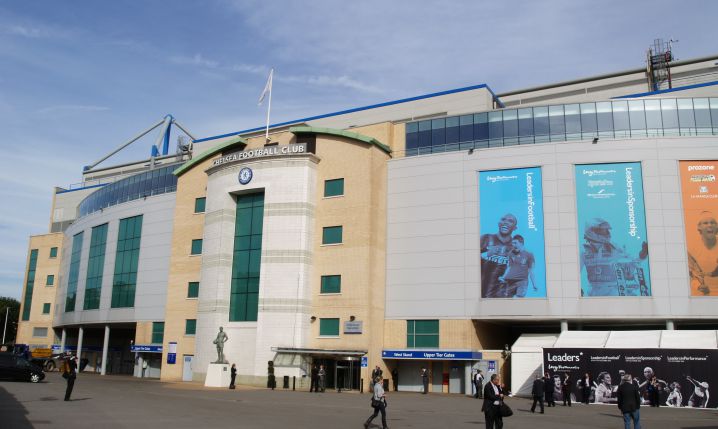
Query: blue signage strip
(612, 230)
(431, 354)
(145, 348)
(513, 263)
(364, 362)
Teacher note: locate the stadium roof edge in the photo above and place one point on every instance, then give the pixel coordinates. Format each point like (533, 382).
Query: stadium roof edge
(664, 91)
(357, 109)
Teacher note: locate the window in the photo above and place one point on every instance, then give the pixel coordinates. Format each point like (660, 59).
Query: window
(46, 308)
(50, 280)
(192, 289)
(158, 332)
(53, 252)
(74, 274)
(332, 235)
(334, 188)
(199, 204)
(95, 267)
(190, 326)
(39, 332)
(422, 333)
(331, 284)
(328, 327)
(124, 281)
(196, 247)
(244, 298)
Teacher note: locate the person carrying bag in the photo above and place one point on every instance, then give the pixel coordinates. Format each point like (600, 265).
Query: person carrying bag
(493, 407)
(378, 403)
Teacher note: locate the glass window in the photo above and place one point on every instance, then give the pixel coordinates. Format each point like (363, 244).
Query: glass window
(496, 129)
(438, 132)
(196, 247)
(53, 252)
(714, 112)
(334, 187)
(669, 115)
(481, 128)
(588, 119)
(412, 135)
(95, 267)
(74, 273)
(637, 118)
(452, 130)
(199, 204)
(685, 116)
(332, 235)
(702, 112)
(620, 119)
(39, 332)
(604, 119)
(541, 124)
(46, 308)
(511, 127)
(124, 281)
(190, 326)
(654, 125)
(244, 298)
(328, 327)
(158, 332)
(557, 123)
(424, 134)
(573, 121)
(526, 122)
(192, 289)
(50, 280)
(466, 128)
(422, 333)
(331, 284)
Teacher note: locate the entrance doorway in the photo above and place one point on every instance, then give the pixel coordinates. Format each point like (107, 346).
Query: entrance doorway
(187, 367)
(348, 373)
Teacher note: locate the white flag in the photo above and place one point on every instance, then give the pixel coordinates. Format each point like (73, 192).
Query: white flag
(267, 88)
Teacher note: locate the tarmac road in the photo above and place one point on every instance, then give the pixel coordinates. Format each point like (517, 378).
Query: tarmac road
(124, 402)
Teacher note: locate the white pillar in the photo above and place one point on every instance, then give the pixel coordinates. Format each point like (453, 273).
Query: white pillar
(63, 340)
(564, 325)
(79, 347)
(670, 325)
(105, 344)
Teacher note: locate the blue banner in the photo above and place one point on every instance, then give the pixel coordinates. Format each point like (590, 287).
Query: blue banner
(513, 262)
(145, 348)
(612, 230)
(431, 354)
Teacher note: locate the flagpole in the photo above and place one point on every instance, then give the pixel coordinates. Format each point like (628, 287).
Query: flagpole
(269, 104)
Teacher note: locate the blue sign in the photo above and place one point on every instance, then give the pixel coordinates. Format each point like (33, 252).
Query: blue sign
(612, 230)
(364, 362)
(513, 262)
(171, 358)
(431, 354)
(56, 348)
(245, 175)
(145, 348)
(492, 365)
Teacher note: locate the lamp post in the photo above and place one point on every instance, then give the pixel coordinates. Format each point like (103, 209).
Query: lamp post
(7, 312)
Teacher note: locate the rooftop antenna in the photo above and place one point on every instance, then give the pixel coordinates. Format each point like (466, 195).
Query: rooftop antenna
(658, 59)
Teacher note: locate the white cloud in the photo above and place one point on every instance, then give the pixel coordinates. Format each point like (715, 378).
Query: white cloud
(196, 60)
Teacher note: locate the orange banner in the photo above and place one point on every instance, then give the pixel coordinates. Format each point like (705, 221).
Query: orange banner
(700, 210)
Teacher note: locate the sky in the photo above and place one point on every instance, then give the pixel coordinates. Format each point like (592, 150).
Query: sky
(79, 78)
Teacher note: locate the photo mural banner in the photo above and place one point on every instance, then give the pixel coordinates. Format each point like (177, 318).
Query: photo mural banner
(612, 230)
(683, 378)
(513, 263)
(700, 205)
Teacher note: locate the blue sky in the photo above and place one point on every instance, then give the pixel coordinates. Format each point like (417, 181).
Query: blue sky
(79, 78)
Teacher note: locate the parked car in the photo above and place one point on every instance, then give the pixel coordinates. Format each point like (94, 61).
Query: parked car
(17, 368)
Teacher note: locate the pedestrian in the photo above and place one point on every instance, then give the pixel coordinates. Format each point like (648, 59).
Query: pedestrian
(378, 402)
(233, 375)
(425, 379)
(376, 372)
(629, 402)
(69, 373)
(322, 377)
(479, 383)
(585, 384)
(313, 386)
(538, 392)
(395, 378)
(549, 388)
(566, 389)
(493, 395)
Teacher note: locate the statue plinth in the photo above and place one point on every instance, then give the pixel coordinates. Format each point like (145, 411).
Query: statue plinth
(218, 375)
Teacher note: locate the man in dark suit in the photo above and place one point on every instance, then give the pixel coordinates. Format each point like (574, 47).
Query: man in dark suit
(493, 395)
(549, 389)
(629, 402)
(424, 379)
(314, 386)
(537, 392)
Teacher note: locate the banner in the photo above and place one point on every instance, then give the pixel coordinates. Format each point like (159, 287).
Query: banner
(673, 377)
(700, 205)
(513, 263)
(612, 230)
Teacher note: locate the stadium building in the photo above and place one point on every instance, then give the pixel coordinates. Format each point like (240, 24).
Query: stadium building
(437, 231)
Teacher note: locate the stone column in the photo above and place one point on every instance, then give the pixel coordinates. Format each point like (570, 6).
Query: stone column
(105, 344)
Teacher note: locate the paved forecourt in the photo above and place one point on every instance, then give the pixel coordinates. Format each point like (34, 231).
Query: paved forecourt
(124, 402)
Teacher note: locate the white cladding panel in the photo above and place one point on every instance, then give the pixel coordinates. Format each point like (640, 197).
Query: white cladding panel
(433, 267)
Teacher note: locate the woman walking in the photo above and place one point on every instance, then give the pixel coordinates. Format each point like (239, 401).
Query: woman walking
(378, 402)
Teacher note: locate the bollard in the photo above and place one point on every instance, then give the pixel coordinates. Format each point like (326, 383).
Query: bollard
(294, 383)
(361, 386)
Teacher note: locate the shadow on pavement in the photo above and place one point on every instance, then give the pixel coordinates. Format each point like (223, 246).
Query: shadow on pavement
(14, 414)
